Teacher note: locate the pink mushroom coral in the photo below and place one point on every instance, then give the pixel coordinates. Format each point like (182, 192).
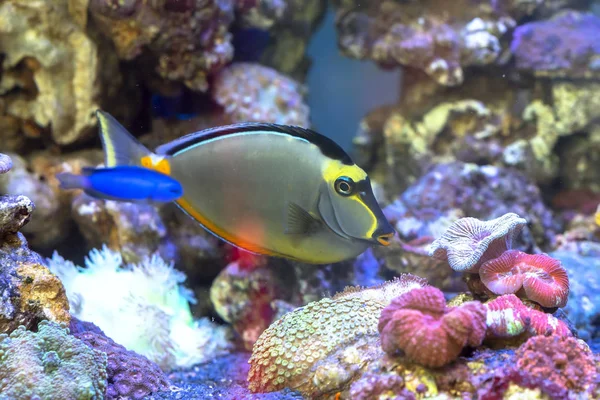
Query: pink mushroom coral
(470, 242)
(538, 277)
(421, 325)
(507, 316)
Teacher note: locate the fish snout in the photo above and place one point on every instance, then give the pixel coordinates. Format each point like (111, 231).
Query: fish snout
(384, 236)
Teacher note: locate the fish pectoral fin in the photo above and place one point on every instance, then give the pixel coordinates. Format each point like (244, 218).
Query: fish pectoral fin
(299, 221)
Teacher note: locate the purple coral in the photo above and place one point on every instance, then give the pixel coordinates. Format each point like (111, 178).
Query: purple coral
(130, 375)
(565, 46)
(469, 242)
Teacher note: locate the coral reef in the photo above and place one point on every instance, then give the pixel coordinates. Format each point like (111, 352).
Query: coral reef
(50, 60)
(567, 362)
(561, 47)
(186, 41)
(320, 348)
(541, 278)
(29, 293)
(50, 364)
(288, 26)
(421, 325)
(129, 375)
(468, 243)
(436, 37)
(252, 92)
(242, 294)
(483, 192)
(150, 312)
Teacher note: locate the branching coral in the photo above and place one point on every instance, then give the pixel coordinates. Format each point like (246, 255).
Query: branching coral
(469, 242)
(421, 325)
(130, 375)
(541, 278)
(322, 347)
(50, 364)
(143, 307)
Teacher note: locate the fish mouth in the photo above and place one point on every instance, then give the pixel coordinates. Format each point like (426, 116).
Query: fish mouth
(385, 239)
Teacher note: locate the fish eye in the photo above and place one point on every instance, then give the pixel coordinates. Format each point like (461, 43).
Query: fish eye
(344, 185)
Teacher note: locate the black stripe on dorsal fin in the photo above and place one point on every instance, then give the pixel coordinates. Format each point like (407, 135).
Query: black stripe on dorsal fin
(327, 146)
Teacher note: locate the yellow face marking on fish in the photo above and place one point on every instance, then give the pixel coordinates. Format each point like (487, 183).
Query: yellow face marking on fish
(333, 169)
(159, 164)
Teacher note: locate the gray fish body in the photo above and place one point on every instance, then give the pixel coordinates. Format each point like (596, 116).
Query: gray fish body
(247, 184)
(269, 189)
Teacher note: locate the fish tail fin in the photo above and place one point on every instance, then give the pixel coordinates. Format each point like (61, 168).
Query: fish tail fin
(68, 180)
(120, 147)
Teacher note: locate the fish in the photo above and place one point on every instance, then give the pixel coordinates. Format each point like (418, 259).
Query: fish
(276, 190)
(123, 183)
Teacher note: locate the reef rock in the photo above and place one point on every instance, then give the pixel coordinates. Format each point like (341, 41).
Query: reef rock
(29, 292)
(186, 41)
(561, 47)
(289, 25)
(252, 92)
(438, 37)
(483, 192)
(49, 59)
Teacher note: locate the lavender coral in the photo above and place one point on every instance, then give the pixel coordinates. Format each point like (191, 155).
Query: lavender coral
(130, 375)
(421, 325)
(50, 364)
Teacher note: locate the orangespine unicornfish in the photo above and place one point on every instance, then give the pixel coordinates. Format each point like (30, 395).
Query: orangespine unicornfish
(123, 183)
(269, 189)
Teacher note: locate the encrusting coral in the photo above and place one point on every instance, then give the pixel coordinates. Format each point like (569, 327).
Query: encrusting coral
(469, 242)
(565, 361)
(50, 364)
(321, 347)
(539, 277)
(252, 92)
(129, 374)
(430, 333)
(149, 308)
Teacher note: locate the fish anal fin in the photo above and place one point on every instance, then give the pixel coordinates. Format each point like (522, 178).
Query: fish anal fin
(300, 222)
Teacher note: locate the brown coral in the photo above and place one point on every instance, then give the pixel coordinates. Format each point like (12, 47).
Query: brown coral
(187, 41)
(565, 361)
(252, 92)
(421, 325)
(469, 242)
(541, 278)
(61, 66)
(318, 348)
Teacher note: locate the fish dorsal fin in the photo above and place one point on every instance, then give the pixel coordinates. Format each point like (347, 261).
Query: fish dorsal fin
(300, 222)
(120, 147)
(327, 146)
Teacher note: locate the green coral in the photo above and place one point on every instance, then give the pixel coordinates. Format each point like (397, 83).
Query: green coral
(50, 365)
